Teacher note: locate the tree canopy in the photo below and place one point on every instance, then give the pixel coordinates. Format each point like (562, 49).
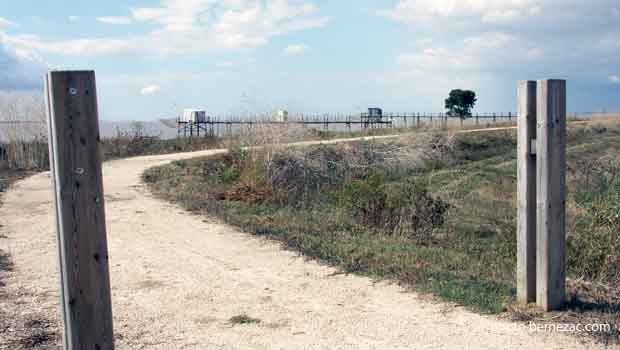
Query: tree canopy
(460, 103)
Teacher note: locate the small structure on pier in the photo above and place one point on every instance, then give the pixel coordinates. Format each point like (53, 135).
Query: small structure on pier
(194, 122)
(194, 116)
(376, 113)
(372, 118)
(281, 116)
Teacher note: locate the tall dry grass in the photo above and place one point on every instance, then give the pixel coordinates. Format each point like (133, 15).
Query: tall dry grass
(23, 136)
(23, 133)
(262, 141)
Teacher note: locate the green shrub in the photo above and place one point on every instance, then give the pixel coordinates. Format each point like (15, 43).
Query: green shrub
(152, 175)
(367, 198)
(483, 146)
(594, 250)
(438, 151)
(229, 174)
(180, 163)
(404, 209)
(238, 156)
(414, 212)
(293, 174)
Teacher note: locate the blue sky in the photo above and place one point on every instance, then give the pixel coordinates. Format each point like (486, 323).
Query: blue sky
(153, 58)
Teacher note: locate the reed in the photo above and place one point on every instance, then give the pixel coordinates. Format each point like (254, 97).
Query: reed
(23, 135)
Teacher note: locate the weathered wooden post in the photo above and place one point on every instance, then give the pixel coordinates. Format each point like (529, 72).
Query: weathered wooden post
(526, 188)
(551, 194)
(77, 181)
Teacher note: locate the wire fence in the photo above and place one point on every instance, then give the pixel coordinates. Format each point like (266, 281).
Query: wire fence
(26, 129)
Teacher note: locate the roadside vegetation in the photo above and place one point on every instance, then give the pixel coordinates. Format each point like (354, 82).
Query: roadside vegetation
(433, 211)
(243, 319)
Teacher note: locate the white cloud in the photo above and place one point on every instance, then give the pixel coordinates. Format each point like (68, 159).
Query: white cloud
(483, 52)
(614, 79)
(520, 15)
(77, 47)
(149, 90)
(508, 38)
(5, 23)
(114, 20)
(19, 69)
(226, 64)
(431, 59)
(296, 49)
(148, 14)
(194, 27)
(491, 40)
(535, 53)
(492, 11)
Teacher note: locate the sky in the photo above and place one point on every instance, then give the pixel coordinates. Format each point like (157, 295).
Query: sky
(153, 58)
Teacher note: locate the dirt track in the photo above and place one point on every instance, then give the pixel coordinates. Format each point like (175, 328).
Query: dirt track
(177, 279)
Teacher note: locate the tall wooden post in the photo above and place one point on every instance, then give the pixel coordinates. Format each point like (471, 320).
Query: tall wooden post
(551, 194)
(526, 185)
(77, 180)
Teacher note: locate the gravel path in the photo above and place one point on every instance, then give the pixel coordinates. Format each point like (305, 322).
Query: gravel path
(177, 279)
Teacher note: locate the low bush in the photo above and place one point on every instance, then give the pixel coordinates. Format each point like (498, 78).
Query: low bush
(414, 212)
(293, 175)
(367, 198)
(593, 250)
(438, 150)
(406, 209)
(484, 145)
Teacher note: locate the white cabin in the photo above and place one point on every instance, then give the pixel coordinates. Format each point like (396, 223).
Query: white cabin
(282, 116)
(194, 116)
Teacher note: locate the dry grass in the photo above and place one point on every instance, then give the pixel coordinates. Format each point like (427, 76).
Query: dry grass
(243, 319)
(23, 140)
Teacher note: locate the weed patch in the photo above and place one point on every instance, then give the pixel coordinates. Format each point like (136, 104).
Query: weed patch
(243, 319)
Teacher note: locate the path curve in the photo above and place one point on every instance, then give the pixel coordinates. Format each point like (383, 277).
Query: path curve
(177, 279)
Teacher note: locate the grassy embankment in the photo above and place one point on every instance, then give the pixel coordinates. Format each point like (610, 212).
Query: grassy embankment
(433, 211)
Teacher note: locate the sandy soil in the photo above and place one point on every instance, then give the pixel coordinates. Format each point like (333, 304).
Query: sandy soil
(177, 279)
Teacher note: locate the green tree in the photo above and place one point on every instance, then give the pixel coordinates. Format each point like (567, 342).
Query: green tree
(460, 103)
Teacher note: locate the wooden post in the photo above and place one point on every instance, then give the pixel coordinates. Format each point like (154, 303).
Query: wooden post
(551, 194)
(76, 175)
(526, 189)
